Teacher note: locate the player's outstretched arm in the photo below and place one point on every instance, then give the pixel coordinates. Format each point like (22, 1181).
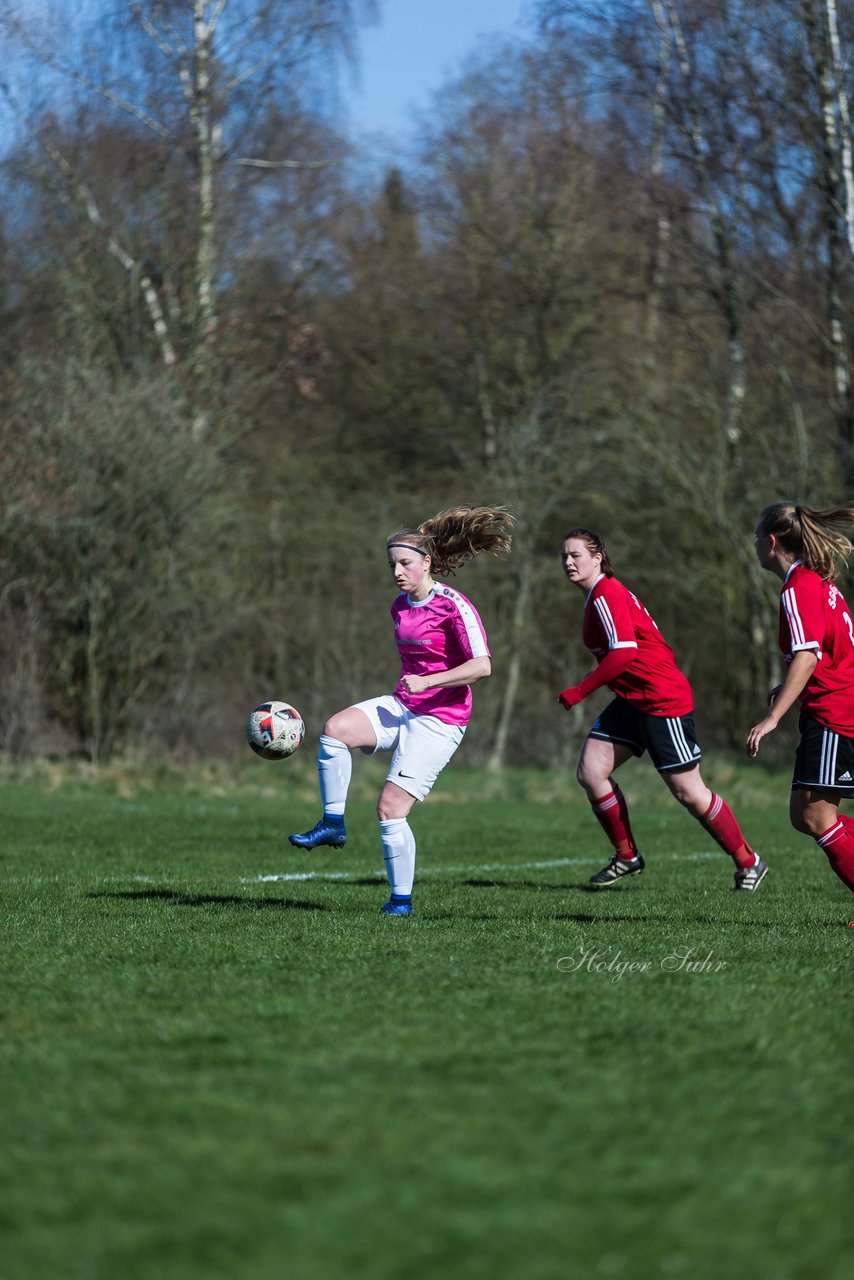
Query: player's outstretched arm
(800, 669)
(611, 666)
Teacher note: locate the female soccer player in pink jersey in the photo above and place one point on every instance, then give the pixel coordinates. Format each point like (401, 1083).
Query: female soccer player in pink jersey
(652, 711)
(805, 548)
(443, 651)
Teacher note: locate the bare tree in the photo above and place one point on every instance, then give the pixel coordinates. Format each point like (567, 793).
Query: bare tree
(202, 79)
(833, 153)
(663, 230)
(840, 92)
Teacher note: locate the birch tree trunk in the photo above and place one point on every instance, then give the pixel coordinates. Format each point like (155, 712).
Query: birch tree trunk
(521, 607)
(727, 293)
(844, 108)
(830, 185)
(205, 21)
(661, 246)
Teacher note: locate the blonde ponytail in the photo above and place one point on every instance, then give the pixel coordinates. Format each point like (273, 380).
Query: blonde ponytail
(457, 534)
(817, 538)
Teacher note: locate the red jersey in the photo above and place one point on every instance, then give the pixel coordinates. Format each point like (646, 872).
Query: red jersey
(814, 615)
(614, 618)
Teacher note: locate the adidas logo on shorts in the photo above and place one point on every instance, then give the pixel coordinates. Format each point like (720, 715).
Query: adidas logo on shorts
(845, 777)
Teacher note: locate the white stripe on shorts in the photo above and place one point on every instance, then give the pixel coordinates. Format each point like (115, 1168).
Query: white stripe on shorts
(680, 744)
(829, 748)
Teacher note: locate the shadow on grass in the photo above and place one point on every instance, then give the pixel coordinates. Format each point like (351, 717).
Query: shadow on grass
(539, 885)
(581, 917)
(635, 918)
(208, 899)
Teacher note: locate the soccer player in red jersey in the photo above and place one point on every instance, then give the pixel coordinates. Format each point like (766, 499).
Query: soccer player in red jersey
(805, 548)
(652, 711)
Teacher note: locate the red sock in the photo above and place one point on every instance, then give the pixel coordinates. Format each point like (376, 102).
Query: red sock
(838, 843)
(613, 815)
(719, 821)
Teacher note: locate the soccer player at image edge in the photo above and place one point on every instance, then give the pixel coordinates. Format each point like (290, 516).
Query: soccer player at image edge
(652, 711)
(805, 549)
(443, 650)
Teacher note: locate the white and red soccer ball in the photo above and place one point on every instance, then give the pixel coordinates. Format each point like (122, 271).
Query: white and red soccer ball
(275, 730)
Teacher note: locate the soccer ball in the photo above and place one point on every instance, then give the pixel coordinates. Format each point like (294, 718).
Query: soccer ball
(275, 730)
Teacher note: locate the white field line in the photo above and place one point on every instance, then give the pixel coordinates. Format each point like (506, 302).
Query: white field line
(447, 871)
(362, 875)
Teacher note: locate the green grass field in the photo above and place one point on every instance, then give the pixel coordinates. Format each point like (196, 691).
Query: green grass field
(207, 1074)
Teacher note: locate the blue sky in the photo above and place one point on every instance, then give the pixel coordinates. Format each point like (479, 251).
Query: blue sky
(417, 45)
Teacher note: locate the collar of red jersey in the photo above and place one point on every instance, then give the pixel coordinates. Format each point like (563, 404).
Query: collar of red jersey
(593, 588)
(792, 568)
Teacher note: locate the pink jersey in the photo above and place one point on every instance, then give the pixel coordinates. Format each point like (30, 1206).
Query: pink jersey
(814, 615)
(614, 618)
(436, 634)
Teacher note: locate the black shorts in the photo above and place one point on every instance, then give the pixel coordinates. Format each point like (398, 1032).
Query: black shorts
(824, 759)
(670, 740)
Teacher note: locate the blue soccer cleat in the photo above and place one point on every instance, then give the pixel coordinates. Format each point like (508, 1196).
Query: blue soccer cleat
(397, 906)
(323, 832)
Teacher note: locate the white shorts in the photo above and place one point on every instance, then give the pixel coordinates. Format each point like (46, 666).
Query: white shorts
(422, 745)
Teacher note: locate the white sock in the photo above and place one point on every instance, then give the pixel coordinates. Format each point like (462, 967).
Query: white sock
(334, 767)
(399, 853)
